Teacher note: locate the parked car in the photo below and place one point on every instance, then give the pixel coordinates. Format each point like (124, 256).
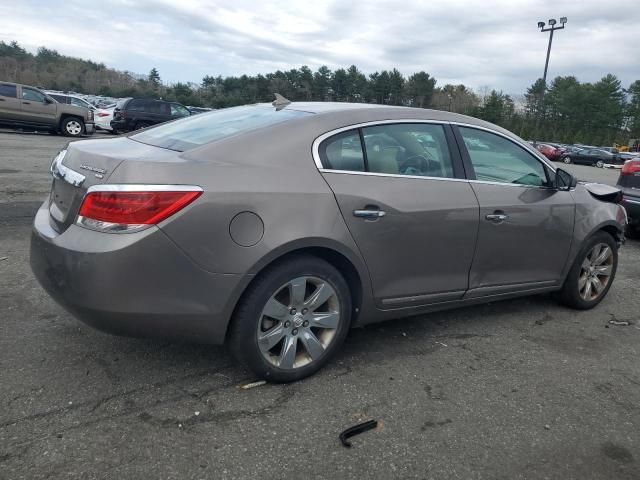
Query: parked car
(255, 226)
(71, 100)
(136, 113)
(548, 151)
(103, 117)
(629, 182)
(22, 106)
(592, 156)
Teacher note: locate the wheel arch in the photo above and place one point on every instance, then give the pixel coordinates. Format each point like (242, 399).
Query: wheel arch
(65, 116)
(347, 263)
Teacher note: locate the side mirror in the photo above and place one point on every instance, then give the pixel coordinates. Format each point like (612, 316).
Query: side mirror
(564, 180)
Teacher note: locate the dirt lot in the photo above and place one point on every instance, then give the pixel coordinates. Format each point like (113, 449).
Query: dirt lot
(515, 389)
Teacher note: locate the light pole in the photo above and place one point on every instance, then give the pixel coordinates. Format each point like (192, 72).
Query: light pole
(551, 28)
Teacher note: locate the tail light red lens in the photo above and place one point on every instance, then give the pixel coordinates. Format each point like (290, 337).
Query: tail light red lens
(630, 167)
(103, 114)
(110, 209)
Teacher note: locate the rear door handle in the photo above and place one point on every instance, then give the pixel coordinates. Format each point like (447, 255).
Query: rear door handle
(370, 214)
(497, 217)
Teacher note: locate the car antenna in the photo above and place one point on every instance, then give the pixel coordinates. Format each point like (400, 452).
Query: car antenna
(280, 102)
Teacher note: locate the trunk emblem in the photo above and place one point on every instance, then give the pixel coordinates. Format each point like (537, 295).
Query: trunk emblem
(98, 172)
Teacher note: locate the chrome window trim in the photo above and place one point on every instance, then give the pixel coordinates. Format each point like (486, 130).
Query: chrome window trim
(392, 175)
(525, 145)
(315, 147)
(141, 187)
(442, 179)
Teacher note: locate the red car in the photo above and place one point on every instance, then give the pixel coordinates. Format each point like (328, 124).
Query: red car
(548, 151)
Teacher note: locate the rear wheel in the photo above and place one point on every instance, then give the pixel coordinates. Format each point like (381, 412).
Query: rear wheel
(599, 164)
(72, 127)
(592, 273)
(292, 320)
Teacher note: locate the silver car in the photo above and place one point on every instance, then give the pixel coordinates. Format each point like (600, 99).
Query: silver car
(275, 230)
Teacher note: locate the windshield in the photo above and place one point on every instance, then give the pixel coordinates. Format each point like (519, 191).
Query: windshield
(192, 132)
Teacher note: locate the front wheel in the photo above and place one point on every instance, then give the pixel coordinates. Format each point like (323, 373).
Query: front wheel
(566, 159)
(292, 320)
(72, 127)
(592, 273)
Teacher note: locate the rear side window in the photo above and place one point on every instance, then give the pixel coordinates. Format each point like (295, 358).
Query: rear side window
(139, 105)
(497, 159)
(191, 132)
(343, 152)
(416, 149)
(8, 91)
(413, 149)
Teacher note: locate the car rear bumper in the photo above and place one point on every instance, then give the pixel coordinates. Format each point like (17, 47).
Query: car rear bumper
(120, 125)
(135, 284)
(632, 206)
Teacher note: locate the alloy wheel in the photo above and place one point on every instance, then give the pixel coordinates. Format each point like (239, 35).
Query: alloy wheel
(600, 164)
(595, 272)
(566, 160)
(73, 127)
(298, 322)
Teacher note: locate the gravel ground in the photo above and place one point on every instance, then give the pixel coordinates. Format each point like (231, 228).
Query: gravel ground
(515, 389)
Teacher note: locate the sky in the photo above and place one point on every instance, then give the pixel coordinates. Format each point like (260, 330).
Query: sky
(490, 43)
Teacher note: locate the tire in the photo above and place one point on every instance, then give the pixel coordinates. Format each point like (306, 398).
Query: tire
(141, 125)
(575, 292)
(566, 159)
(72, 127)
(291, 328)
(599, 164)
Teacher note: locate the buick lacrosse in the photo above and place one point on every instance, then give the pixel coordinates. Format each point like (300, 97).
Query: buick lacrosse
(274, 229)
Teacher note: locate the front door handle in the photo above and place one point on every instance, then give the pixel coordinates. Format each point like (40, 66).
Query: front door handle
(497, 217)
(26, 103)
(370, 214)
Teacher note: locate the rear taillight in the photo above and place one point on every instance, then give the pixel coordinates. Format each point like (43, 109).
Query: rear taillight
(103, 114)
(630, 167)
(128, 208)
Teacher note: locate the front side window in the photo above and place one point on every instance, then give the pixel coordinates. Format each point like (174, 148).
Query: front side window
(416, 149)
(32, 95)
(8, 91)
(497, 159)
(343, 152)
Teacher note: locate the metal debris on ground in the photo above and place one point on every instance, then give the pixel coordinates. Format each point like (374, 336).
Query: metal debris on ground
(622, 323)
(356, 430)
(247, 386)
(3, 258)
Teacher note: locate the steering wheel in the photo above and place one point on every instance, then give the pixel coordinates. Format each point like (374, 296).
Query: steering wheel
(417, 162)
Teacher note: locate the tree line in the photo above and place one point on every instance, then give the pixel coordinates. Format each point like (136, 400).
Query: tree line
(566, 110)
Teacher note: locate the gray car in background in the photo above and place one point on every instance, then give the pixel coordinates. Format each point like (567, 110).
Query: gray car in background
(275, 230)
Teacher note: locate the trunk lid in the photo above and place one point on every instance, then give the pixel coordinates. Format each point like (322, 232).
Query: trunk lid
(87, 163)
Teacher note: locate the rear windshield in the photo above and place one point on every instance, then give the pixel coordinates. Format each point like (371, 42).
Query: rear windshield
(191, 132)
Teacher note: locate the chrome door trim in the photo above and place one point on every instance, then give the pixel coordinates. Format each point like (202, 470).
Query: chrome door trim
(392, 175)
(315, 147)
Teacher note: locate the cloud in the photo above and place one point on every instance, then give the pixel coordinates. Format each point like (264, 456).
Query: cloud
(491, 43)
